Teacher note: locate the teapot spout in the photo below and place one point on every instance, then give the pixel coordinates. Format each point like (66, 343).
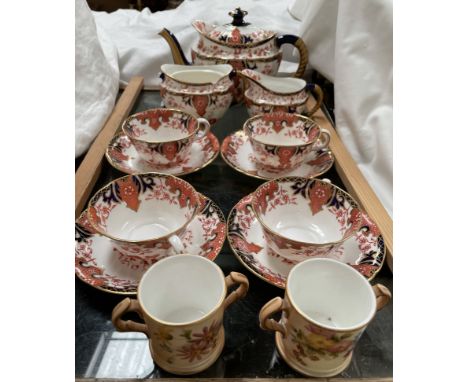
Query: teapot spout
(176, 50)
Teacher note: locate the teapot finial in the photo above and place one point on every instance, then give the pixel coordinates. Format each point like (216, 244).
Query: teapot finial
(238, 17)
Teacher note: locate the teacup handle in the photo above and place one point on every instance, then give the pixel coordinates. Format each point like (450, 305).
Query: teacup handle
(177, 244)
(125, 306)
(204, 127)
(240, 292)
(326, 140)
(317, 91)
(270, 308)
(382, 295)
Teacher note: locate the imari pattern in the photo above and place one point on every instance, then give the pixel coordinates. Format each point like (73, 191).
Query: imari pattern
(365, 251)
(122, 155)
(237, 152)
(99, 264)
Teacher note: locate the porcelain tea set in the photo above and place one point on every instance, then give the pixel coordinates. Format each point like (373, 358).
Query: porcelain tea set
(152, 234)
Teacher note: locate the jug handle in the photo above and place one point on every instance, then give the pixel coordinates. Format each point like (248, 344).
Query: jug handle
(318, 95)
(301, 46)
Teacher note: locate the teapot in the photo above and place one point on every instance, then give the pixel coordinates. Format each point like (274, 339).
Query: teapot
(240, 45)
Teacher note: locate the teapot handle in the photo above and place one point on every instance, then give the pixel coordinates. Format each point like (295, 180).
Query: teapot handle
(301, 46)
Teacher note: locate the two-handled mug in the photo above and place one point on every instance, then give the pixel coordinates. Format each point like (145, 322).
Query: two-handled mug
(182, 300)
(326, 308)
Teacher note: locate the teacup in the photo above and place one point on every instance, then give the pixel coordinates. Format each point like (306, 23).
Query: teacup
(144, 214)
(326, 307)
(163, 137)
(303, 218)
(282, 141)
(182, 300)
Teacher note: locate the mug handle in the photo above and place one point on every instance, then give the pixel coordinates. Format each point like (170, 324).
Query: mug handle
(382, 295)
(204, 128)
(240, 292)
(271, 307)
(301, 46)
(317, 91)
(326, 141)
(125, 306)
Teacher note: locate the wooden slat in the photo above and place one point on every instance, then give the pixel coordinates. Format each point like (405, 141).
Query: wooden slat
(90, 168)
(240, 379)
(357, 185)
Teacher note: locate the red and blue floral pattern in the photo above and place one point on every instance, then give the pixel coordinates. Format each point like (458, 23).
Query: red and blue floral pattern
(95, 254)
(365, 251)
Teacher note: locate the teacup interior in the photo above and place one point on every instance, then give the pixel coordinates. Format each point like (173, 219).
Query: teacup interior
(294, 209)
(144, 207)
(282, 129)
(294, 222)
(331, 293)
(181, 288)
(156, 218)
(160, 125)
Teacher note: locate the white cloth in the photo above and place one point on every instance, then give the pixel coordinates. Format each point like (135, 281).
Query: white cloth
(96, 77)
(351, 43)
(142, 51)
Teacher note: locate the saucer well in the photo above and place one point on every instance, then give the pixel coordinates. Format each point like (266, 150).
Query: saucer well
(102, 266)
(365, 251)
(122, 155)
(237, 152)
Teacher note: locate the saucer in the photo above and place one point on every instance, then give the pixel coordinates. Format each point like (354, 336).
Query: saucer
(237, 152)
(122, 155)
(100, 265)
(365, 251)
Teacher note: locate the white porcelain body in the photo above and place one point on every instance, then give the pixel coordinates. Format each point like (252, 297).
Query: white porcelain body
(163, 137)
(303, 218)
(331, 294)
(144, 214)
(196, 288)
(186, 330)
(282, 141)
(204, 90)
(326, 308)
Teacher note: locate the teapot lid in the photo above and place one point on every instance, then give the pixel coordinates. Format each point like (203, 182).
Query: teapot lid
(238, 33)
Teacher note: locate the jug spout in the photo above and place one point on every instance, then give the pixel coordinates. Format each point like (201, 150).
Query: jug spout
(176, 50)
(250, 77)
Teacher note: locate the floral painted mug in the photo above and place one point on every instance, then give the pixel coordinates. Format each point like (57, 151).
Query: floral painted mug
(326, 308)
(162, 137)
(182, 300)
